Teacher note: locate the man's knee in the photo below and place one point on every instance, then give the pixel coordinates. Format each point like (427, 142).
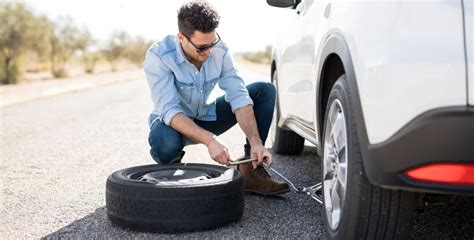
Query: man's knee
(264, 91)
(269, 88)
(165, 144)
(165, 154)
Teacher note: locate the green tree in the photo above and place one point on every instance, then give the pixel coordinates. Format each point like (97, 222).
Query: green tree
(20, 32)
(116, 48)
(83, 42)
(64, 43)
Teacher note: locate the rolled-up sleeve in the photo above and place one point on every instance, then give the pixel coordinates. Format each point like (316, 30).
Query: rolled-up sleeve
(231, 82)
(163, 91)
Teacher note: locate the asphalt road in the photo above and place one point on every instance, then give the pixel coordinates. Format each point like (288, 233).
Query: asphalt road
(56, 154)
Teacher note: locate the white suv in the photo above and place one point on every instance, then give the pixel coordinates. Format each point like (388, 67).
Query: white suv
(384, 89)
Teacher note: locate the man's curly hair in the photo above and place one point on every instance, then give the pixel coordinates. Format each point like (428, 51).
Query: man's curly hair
(197, 15)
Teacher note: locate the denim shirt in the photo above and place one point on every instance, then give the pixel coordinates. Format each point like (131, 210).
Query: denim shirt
(177, 86)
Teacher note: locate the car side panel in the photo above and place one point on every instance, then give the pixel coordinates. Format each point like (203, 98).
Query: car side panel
(297, 62)
(408, 57)
(469, 32)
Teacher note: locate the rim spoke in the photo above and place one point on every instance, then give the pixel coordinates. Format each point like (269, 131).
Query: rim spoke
(338, 132)
(336, 200)
(334, 137)
(331, 153)
(327, 195)
(332, 115)
(341, 172)
(335, 218)
(340, 189)
(332, 126)
(341, 138)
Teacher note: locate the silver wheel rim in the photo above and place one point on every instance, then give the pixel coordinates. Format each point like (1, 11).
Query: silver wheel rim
(335, 163)
(182, 177)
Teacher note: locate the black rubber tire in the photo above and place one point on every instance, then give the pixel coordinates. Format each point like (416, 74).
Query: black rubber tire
(368, 212)
(284, 141)
(145, 206)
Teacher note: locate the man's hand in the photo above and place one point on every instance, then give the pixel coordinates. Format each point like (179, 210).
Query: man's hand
(261, 153)
(218, 151)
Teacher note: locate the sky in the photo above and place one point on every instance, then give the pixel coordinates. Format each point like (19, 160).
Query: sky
(246, 25)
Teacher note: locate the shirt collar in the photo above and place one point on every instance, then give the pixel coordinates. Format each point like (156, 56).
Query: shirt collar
(180, 57)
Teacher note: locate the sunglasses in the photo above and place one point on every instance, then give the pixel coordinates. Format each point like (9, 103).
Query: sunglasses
(205, 47)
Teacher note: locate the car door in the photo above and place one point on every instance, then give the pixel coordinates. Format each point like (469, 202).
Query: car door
(298, 60)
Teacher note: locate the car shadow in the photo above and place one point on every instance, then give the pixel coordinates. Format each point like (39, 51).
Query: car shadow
(454, 220)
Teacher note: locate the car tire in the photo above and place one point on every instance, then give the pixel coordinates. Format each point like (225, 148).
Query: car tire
(174, 197)
(283, 141)
(362, 210)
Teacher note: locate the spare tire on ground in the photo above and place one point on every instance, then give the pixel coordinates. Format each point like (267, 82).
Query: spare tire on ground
(175, 197)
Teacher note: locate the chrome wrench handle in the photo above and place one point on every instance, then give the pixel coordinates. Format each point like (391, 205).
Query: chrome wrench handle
(298, 190)
(237, 162)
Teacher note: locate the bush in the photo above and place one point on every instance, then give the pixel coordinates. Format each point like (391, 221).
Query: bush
(10, 73)
(264, 57)
(90, 60)
(60, 73)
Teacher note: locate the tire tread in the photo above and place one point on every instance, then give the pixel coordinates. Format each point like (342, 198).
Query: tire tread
(374, 212)
(287, 142)
(146, 207)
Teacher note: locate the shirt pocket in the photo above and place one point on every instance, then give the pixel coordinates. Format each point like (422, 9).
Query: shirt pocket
(185, 90)
(212, 91)
(209, 85)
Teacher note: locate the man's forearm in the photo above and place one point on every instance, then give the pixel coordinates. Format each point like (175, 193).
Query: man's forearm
(188, 128)
(246, 119)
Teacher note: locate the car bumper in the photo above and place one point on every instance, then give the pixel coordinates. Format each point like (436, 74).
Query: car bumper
(440, 136)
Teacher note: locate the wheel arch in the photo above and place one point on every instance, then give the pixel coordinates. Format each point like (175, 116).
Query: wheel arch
(332, 69)
(337, 60)
(272, 70)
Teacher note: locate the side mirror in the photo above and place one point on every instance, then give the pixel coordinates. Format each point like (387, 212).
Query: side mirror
(283, 3)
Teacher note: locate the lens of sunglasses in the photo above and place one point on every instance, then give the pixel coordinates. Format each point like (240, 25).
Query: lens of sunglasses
(203, 48)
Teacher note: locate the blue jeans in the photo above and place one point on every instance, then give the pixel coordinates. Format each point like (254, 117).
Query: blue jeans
(166, 143)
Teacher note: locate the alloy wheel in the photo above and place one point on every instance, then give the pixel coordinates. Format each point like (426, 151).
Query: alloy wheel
(335, 163)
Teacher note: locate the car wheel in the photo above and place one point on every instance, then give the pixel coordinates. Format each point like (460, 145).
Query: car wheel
(354, 208)
(175, 197)
(283, 141)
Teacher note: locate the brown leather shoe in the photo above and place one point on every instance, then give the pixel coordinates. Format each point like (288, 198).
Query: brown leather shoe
(258, 181)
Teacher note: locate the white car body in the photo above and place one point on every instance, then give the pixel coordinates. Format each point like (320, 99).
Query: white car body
(423, 65)
(384, 89)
